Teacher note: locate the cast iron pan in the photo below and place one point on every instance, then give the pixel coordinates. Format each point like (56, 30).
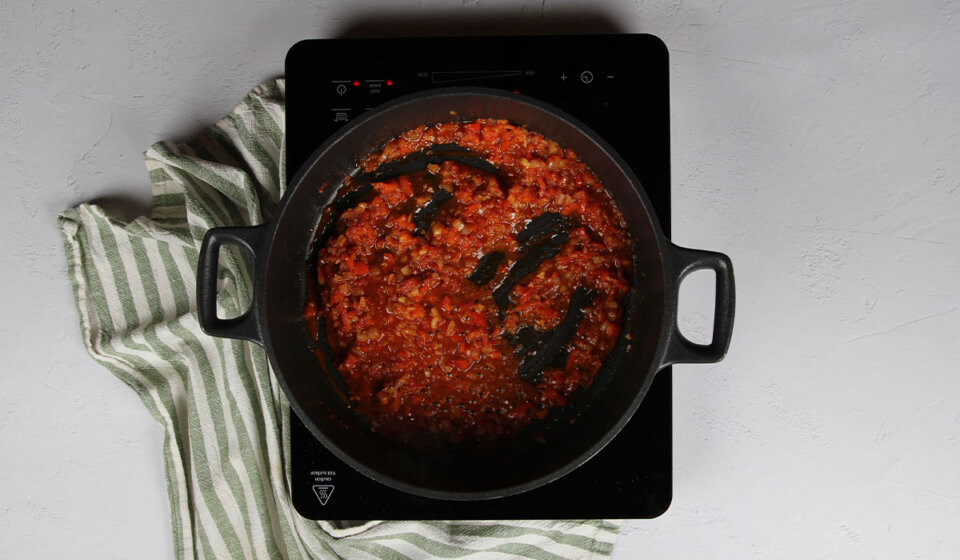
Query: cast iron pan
(281, 247)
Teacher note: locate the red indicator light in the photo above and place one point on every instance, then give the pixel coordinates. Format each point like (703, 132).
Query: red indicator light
(515, 91)
(356, 82)
(389, 82)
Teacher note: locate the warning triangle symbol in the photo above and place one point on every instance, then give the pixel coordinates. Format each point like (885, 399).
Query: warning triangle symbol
(323, 492)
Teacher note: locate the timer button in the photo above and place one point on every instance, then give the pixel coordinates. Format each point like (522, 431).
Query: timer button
(586, 76)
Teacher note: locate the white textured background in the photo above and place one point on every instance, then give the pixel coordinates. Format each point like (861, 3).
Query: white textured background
(817, 143)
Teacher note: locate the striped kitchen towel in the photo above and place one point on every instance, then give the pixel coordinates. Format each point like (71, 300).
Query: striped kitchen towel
(225, 419)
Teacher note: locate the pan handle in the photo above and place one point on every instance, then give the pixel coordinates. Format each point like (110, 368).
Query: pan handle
(245, 326)
(679, 349)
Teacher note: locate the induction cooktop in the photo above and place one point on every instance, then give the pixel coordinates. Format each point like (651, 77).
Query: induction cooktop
(618, 86)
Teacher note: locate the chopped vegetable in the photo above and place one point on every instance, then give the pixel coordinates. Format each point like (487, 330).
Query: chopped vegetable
(464, 301)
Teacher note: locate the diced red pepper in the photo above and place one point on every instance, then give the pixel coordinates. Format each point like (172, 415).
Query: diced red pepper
(425, 351)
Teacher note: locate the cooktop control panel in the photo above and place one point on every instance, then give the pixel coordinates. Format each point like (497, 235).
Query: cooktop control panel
(353, 95)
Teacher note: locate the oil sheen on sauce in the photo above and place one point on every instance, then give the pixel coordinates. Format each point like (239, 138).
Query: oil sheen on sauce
(462, 302)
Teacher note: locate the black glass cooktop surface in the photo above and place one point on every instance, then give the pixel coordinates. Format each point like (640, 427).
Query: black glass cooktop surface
(618, 86)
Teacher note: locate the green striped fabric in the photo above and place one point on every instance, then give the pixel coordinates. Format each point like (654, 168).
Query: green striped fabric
(225, 419)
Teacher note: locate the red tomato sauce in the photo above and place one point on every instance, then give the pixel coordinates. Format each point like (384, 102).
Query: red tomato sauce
(425, 352)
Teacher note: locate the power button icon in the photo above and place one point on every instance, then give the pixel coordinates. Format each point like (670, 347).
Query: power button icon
(586, 76)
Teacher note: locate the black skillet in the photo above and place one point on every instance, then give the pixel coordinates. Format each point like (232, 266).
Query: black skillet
(650, 339)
